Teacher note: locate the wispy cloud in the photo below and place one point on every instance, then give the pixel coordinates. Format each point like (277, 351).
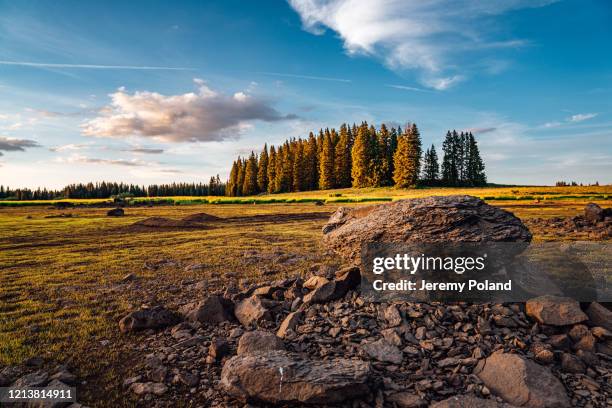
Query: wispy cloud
(94, 160)
(203, 116)
(429, 36)
(311, 77)
(407, 88)
(90, 66)
(582, 117)
(144, 150)
(444, 83)
(8, 144)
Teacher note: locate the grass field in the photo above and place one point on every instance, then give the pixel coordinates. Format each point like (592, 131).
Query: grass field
(352, 195)
(61, 291)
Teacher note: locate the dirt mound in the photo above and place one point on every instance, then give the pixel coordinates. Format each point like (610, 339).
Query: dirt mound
(161, 222)
(200, 217)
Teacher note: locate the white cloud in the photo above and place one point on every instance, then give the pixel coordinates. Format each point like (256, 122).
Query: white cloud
(412, 34)
(90, 66)
(204, 115)
(582, 116)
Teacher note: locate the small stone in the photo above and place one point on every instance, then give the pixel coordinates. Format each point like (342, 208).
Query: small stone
(382, 350)
(572, 364)
(315, 282)
(406, 400)
(258, 341)
(289, 324)
(599, 315)
(148, 388)
(555, 310)
(218, 349)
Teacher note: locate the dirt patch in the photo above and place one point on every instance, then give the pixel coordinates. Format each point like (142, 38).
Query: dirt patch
(201, 217)
(275, 218)
(152, 223)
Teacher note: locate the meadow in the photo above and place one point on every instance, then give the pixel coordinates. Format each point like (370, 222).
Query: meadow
(62, 280)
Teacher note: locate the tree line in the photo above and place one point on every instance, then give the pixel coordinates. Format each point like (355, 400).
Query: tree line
(110, 189)
(358, 156)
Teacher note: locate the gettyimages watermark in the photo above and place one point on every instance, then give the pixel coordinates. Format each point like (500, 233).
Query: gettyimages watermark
(486, 272)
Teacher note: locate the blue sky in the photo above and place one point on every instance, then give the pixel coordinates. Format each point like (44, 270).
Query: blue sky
(150, 92)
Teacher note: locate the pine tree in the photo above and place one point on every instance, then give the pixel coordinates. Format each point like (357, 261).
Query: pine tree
(407, 158)
(430, 166)
(278, 179)
(298, 167)
(232, 188)
(360, 158)
(241, 174)
(342, 160)
(262, 170)
(326, 165)
(475, 166)
(286, 174)
(271, 170)
(249, 186)
(449, 167)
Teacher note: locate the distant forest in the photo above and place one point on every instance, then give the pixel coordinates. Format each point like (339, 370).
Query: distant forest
(354, 156)
(358, 156)
(106, 190)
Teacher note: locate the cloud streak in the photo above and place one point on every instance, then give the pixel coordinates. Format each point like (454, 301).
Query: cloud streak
(95, 160)
(311, 77)
(8, 144)
(582, 117)
(203, 116)
(428, 36)
(91, 66)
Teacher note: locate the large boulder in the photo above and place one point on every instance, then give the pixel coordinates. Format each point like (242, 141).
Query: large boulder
(154, 318)
(280, 377)
(456, 218)
(555, 310)
(213, 310)
(522, 382)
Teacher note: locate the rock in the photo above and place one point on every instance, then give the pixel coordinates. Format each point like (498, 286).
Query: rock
(315, 282)
(455, 218)
(601, 333)
(8, 375)
(393, 316)
(555, 310)
(143, 319)
(559, 341)
(382, 350)
(115, 212)
(148, 388)
(593, 213)
(469, 401)
(35, 379)
(406, 400)
(65, 377)
(572, 364)
(212, 310)
(251, 311)
(347, 279)
(290, 323)
(280, 377)
(258, 342)
(521, 382)
(218, 349)
(129, 278)
(599, 315)
(322, 294)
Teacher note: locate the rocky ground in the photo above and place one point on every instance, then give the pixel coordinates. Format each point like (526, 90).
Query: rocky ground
(313, 339)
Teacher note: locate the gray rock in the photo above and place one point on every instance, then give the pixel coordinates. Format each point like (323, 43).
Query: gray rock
(258, 342)
(469, 401)
(290, 323)
(457, 218)
(406, 400)
(143, 319)
(522, 382)
(213, 310)
(599, 315)
(148, 388)
(280, 377)
(382, 350)
(555, 310)
(251, 311)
